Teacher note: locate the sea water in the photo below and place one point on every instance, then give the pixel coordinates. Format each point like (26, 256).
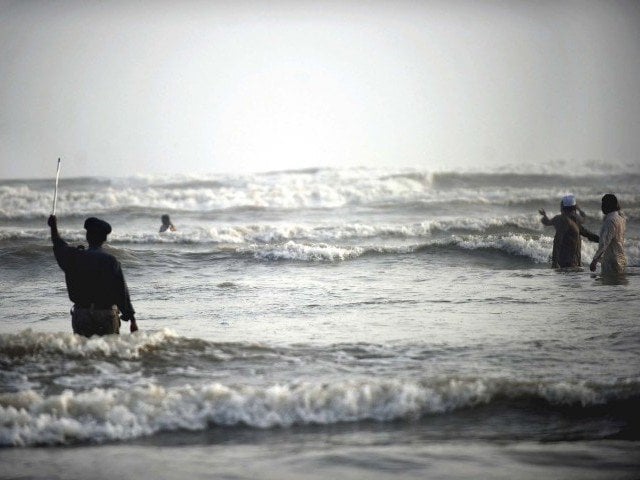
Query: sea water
(323, 323)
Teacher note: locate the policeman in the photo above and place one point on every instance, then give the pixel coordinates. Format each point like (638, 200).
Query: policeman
(95, 282)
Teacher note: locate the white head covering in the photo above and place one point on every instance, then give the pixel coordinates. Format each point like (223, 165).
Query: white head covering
(569, 201)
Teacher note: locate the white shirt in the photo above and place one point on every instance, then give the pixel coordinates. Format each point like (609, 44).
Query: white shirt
(611, 246)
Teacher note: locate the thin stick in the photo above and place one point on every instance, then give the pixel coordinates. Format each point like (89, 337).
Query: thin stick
(55, 192)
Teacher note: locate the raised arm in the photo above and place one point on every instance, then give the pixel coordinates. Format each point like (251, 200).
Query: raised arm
(545, 220)
(61, 249)
(55, 236)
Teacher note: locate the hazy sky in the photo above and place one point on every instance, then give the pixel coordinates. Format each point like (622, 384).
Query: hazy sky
(135, 87)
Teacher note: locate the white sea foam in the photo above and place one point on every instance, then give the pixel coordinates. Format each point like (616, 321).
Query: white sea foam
(327, 233)
(632, 249)
(537, 249)
(322, 189)
(306, 253)
(17, 201)
(96, 415)
(328, 189)
(305, 242)
(13, 233)
(30, 343)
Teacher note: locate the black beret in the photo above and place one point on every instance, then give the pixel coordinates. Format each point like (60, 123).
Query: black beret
(96, 225)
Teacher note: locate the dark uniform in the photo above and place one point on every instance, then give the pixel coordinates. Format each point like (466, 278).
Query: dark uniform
(95, 284)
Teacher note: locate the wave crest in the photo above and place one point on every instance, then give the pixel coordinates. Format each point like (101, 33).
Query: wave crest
(312, 189)
(98, 415)
(29, 344)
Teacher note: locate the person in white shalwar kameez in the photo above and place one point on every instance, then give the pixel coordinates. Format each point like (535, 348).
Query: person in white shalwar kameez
(610, 252)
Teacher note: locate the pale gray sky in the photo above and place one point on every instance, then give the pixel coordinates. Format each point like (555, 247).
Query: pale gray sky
(137, 87)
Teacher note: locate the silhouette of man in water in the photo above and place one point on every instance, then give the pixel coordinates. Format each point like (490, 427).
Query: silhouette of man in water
(166, 224)
(567, 244)
(95, 282)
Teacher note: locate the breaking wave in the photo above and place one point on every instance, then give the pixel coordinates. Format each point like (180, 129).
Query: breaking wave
(269, 233)
(106, 414)
(275, 246)
(31, 345)
(309, 189)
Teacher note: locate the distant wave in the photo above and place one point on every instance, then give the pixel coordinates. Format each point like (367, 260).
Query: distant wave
(304, 253)
(280, 232)
(516, 247)
(560, 167)
(536, 250)
(13, 234)
(541, 180)
(310, 246)
(316, 189)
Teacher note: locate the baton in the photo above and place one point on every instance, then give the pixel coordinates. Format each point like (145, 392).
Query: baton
(55, 191)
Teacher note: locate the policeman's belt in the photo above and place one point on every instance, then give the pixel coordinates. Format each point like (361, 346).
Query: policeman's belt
(96, 306)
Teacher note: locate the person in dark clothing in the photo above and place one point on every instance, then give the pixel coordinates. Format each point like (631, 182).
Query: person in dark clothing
(166, 224)
(95, 282)
(567, 244)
